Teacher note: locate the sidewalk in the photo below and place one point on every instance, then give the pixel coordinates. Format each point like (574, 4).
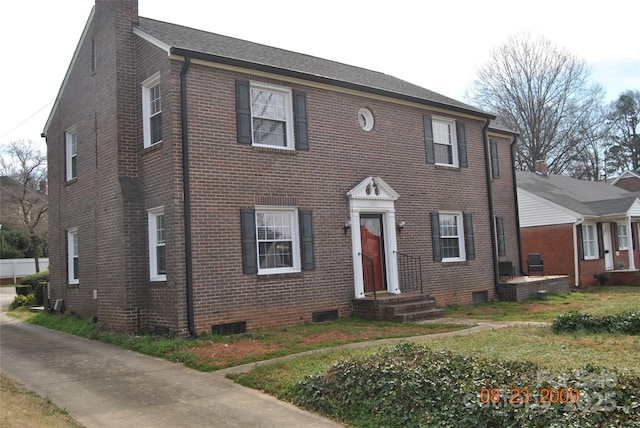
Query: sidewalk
(105, 386)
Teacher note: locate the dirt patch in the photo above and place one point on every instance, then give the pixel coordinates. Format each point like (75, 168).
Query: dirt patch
(222, 354)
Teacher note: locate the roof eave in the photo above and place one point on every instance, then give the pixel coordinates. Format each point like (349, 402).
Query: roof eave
(321, 79)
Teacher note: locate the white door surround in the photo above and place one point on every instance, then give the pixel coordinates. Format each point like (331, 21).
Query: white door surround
(374, 196)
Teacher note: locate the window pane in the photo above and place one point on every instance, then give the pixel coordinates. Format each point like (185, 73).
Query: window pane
(160, 260)
(444, 154)
(275, 254)
(160, 229)
(450, 247)
(75, 268)
(269, 132)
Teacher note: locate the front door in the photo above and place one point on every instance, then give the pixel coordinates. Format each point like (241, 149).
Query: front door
(608, 252)
(372, 252)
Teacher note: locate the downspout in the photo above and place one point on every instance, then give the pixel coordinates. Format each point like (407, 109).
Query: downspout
(187, 195)
(492, 221)
(515, 198)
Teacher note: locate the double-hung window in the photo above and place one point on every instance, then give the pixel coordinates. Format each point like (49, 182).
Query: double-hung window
(589, 241)
(157, 249)
(622, 237)
(446, 141)
(152, 111)
(71, 153)
(277, 240)
(72, 256)
(271, 116)
(277, 235)
(452, 236)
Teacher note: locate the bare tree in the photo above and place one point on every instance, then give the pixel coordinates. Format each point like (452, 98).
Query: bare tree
(24, 180)
(623, 152)
(542, 92)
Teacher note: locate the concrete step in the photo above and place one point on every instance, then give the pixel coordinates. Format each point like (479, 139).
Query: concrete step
(427, 314)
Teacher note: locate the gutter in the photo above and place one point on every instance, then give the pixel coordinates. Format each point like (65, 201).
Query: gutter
(492, 222)
(187, 196)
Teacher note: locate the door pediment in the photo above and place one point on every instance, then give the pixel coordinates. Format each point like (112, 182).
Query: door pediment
(373, 188)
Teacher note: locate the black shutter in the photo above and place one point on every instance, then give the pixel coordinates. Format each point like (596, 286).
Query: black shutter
(462, 145)
(615, 236)
(495, 167)
(502, 248)
(428, 138)
(306, 240)
(435, 237)
(580, 241)
(243, 111)
(249, 244)
(469, 240)
(633, 240)
(300, 119)
(600, 241)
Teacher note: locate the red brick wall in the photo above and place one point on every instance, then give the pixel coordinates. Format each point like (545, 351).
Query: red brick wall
(555, 244)
(119, 180)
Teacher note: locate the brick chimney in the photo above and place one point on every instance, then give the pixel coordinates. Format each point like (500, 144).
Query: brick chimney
(540, 167)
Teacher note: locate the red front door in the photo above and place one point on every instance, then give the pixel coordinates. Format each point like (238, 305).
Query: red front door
(372, 253)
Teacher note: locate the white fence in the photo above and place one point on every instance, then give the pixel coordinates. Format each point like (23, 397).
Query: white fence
(11, 270)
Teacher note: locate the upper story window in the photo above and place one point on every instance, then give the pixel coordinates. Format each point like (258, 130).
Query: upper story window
(446, 141)
(157, 248)
(589, 241)
(72, 256)
(452, 236)
(71, 153)
(622, 237)
(495, 165)
(152, 110)
(271, 116)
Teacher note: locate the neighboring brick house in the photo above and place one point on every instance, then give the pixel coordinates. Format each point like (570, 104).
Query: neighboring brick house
(198, 180)
(628, 180)
(581, 228)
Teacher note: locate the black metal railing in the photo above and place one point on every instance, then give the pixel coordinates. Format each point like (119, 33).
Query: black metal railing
(409, 272)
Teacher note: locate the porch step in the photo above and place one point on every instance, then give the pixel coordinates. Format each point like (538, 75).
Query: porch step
(401, 307)
(413, 310)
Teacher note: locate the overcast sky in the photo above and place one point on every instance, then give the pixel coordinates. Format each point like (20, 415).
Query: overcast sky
(437, 45)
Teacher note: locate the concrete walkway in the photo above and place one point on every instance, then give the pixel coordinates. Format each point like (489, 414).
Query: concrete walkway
(105, 386)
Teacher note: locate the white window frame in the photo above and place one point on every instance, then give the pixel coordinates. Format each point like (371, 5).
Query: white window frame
(71, 152)
(292, 212)
(622, 239)
(73, 255)
(288, 107)
(147, 86)
(437, 139)
(153, 215)
(460, 229)
(589, 241)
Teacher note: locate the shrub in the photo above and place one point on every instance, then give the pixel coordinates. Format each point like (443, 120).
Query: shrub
(36, 284)
(23, 300)
(574, 321)
(412, 386)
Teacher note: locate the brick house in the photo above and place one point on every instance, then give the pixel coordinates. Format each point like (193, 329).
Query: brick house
(581, 228)
(199, 181)
(628, 180)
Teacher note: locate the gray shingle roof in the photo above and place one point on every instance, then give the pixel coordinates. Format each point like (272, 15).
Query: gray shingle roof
(202, 44)
(584, 197)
